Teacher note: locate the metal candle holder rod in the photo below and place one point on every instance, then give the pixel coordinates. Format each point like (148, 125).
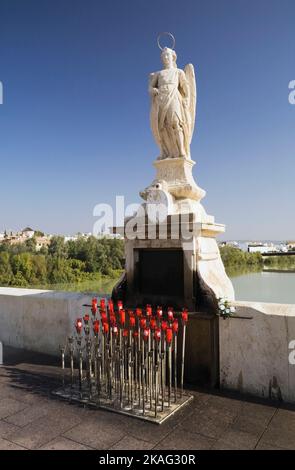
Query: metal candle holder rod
(130, 358)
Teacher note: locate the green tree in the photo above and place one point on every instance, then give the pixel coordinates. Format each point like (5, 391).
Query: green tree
(23, 263)
(30, 245)
(19, 280)
(6, 273)
(57, 247)
(39, 269)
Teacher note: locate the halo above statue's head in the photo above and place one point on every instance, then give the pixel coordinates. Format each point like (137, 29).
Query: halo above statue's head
(166, 34)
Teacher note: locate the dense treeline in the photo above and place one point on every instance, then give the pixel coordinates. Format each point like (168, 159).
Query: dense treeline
(234, 257)
(73, 261)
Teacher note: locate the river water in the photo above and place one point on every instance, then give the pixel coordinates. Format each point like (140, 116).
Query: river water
(265, 286)
(256, 285)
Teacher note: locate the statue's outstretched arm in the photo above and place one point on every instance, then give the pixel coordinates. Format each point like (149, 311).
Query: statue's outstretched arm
(153, 81)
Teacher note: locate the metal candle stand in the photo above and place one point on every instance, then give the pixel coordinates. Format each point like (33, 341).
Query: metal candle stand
(126, 361)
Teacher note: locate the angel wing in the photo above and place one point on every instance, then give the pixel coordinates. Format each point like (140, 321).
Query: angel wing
(191, 79)
(154, 111)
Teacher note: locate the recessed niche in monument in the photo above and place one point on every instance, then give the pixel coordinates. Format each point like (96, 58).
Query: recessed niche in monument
(161, 272)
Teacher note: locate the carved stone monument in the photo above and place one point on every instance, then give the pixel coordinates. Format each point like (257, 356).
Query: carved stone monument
(170, 268)
(172, 257)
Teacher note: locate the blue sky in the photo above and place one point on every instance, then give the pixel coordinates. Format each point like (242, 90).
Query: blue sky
(74, 125)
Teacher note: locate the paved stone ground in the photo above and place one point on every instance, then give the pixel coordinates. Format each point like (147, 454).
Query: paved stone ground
(31, 418)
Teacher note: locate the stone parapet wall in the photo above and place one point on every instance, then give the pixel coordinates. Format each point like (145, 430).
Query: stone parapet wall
(38, 320)
(254, 353)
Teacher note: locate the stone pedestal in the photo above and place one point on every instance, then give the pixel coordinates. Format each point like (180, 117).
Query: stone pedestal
(177, 173)
(184, 271)
(175, 261)
(180, 266)
(175, 184)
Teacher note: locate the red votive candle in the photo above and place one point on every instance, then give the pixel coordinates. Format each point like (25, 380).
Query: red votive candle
(148, 310)
(164, 325)
(120, 304)
(111, 306)
(104, 317)
(157, 334)
(115, 329)
(169, 335)
(170, 314)
(122, 317)
(86, 318)
(142, 323)
(159, 312)
(112, 319)
(96, 327)
(125, 333)
(132, 322)
(153, 323)
(184, 315)
(146, 333)
(175, 326)
(79, 325)
(138, 312)
(103, 304)
(94, 306)
(105, 327)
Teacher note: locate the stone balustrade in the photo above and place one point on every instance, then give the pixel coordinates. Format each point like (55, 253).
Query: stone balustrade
(38, 320)
(254, 353)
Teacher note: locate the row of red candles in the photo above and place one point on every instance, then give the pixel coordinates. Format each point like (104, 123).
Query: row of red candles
(147, 324)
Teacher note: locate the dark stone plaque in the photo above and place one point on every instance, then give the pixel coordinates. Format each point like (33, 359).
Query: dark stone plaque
(161, 272)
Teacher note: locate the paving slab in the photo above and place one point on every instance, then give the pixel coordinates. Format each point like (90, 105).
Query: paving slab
(43, 430)
(61, 443)
(131, 443)
(7, 445)
(28, 415)
(6, 428)
(281, 430)
(97, 432)
(183, 440)
(9, 406)
(234, 438)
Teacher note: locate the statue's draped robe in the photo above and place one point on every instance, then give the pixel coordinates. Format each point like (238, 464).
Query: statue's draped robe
(168, 111)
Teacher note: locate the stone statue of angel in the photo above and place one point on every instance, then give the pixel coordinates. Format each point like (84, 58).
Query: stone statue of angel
(174, 95)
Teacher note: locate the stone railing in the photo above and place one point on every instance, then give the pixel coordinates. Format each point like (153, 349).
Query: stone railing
(38, 320)
(254, 352)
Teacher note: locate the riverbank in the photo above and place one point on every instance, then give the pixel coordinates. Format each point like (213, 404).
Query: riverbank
(100, 285)
(236, 260)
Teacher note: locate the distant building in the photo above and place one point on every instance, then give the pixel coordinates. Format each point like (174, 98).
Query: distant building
(14, 238)
(234, 244)
(117, 236)
(42, 242)
(261, 248)
(28, 232)
(76, 237)
(291, 245)
(70, 239)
